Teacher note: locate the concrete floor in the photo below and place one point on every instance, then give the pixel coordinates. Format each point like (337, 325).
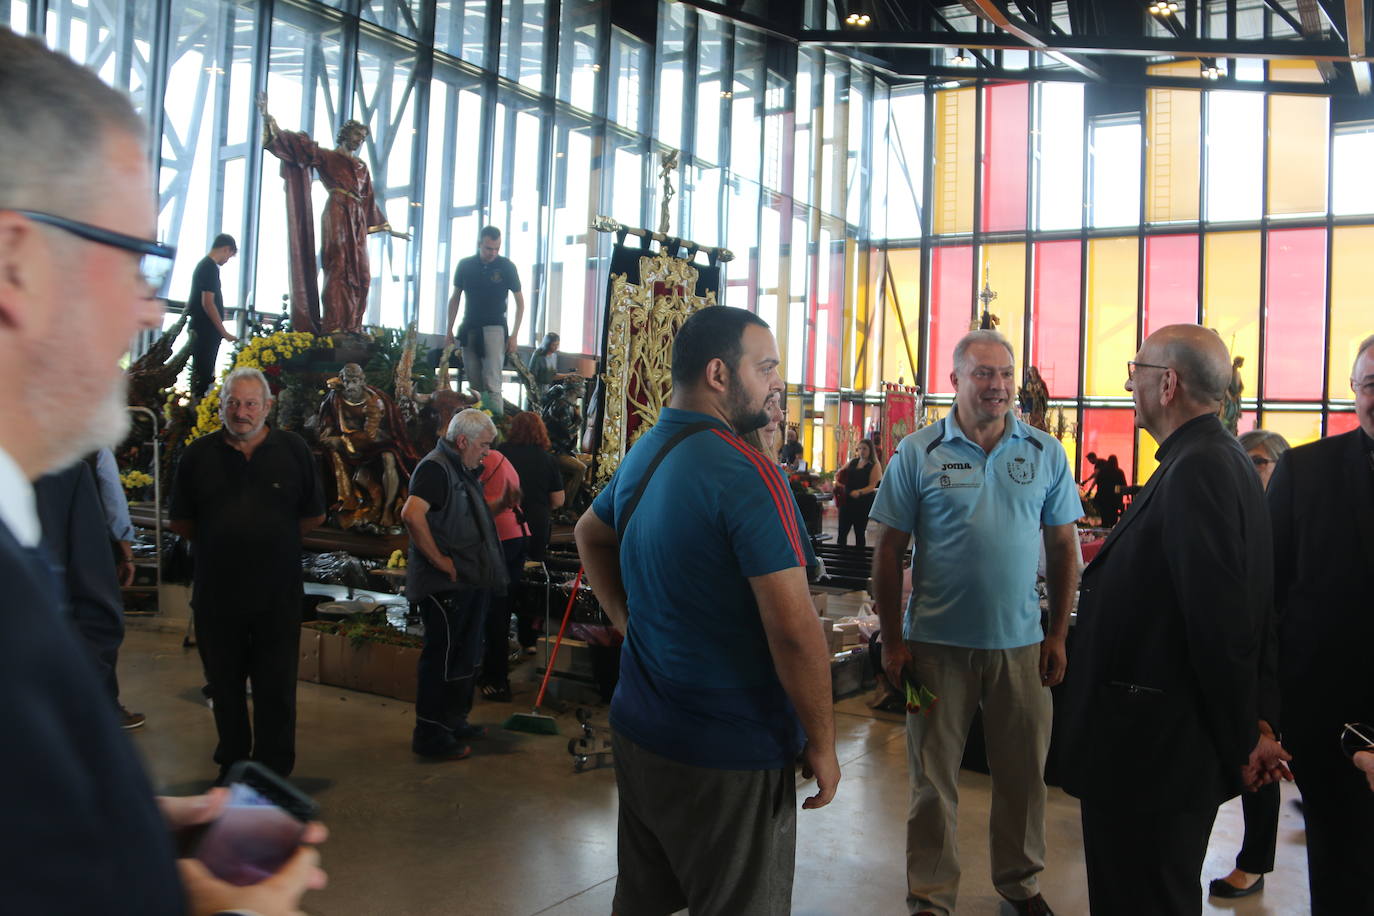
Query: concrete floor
(513, 830)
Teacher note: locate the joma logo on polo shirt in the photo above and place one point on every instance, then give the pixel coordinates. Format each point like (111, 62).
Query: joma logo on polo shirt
(957, 466)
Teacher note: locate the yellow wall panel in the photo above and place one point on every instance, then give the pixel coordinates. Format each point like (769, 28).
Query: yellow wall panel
(1006, 266)
(1352, 302)
(1231, 297)
(1112, 268)
(1299, 132)
(1173, 158)
(1298, 427)
(1192, 67)
(1295, 71)
(904, 291)
(955, 123)
(1145, 462)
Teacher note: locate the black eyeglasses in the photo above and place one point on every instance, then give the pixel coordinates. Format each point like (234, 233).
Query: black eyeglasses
(156, 260)
(1132, 365)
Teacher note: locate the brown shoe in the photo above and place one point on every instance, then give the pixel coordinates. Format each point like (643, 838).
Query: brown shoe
(131, 719)
(1031, 906)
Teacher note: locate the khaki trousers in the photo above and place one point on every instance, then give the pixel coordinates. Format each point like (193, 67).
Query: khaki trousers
(1017, 713)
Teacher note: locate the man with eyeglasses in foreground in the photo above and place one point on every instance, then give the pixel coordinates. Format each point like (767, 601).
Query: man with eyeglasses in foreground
(1321, 500)
(1166, 714)
(979, 493)
(77, 280)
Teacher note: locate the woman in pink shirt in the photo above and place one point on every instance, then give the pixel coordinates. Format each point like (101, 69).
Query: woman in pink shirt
(494, 681)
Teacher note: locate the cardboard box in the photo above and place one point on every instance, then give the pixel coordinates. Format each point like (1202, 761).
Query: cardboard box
(821, 600)
(370, 667)
(574, 657)
(845, 604)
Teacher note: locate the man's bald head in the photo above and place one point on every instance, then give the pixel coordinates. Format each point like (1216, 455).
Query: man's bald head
(1197, 355)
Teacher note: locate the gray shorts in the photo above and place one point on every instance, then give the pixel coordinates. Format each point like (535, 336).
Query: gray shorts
(714, 841)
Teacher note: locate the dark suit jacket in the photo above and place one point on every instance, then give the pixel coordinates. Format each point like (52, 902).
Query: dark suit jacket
(1321, 501)
(1162, 692)
(77, 541)
(81, 832)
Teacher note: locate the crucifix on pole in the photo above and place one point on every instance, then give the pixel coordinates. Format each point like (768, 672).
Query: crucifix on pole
(987, 320)
(667, 162)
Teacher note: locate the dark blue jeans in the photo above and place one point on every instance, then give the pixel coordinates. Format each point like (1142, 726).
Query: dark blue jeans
(449, 658)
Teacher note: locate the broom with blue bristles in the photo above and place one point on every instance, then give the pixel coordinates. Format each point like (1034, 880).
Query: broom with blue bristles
(534, 721)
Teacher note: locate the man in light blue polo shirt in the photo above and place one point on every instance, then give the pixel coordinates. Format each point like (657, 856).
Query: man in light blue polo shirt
(979, 491)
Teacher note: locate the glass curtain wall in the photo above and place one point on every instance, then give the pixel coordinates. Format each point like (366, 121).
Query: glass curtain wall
(864, 216)
(1242, 210)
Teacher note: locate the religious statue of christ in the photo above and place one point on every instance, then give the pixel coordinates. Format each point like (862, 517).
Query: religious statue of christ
(350, 215)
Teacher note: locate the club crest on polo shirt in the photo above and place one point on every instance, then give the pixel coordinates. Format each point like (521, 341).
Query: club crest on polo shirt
(1021, 470)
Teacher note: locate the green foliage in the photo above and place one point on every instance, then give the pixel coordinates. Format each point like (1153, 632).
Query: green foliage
(367, 627)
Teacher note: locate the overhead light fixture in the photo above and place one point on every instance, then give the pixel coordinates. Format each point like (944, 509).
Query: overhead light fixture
(1164, 8)
(962, 59)
(1211, 71)
(858, 20)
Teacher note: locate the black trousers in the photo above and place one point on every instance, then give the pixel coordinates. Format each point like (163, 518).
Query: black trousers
(1261, 810)
(1143, 862)
(447, 669)
(854, 514)
(1339, 809)
(260, 643)
(496, 657)
(204, 352)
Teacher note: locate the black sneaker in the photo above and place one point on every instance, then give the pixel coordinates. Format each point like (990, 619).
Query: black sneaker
(131, 719)
(446, 748)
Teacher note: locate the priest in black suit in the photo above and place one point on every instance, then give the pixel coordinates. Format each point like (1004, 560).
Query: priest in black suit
(1321, 501)
(1164, 702)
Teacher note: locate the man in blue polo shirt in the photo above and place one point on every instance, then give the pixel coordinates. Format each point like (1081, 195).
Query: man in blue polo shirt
(979, 491)
(700, 559)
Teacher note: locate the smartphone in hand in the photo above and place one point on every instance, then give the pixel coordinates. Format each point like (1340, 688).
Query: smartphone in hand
(260, 828)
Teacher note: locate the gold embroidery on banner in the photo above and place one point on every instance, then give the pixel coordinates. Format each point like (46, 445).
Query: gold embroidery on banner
(639, 346)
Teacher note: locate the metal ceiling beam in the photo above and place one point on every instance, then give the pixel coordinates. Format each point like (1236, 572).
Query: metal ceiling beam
(1355, 27)
(996, 13)
(1334, 12)
(1286, 16)
(1310, 26)
(1136, 45)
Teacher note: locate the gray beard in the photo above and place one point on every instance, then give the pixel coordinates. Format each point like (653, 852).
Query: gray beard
(106, 427)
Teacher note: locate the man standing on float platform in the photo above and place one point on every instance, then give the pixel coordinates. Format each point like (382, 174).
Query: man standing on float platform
(724, 673)
(485, 278)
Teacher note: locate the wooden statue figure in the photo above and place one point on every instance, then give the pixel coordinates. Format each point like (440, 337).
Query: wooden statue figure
(1034, 398)
(1230, 402)
(366, 448)
(350, 215)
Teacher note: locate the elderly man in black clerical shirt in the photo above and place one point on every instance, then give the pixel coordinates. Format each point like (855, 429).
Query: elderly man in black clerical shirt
(244, 497)
(78, 271)
(1321, 499)
(205, 305)
(1166, 711)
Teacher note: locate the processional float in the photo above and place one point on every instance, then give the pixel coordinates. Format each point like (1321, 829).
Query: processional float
(654, 286)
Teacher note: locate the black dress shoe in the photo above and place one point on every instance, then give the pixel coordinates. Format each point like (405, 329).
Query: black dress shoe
(1226, 890)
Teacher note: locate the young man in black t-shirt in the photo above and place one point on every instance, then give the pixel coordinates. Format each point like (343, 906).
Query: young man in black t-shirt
(206, 307)
(485, 278)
